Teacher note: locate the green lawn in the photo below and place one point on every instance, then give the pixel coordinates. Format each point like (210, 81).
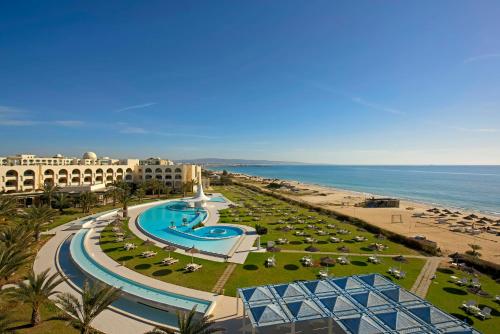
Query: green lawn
(289, 268)
(448, 296)
(204, 279)
(270, 211)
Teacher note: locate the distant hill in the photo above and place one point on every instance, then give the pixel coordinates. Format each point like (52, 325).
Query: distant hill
(229, 162)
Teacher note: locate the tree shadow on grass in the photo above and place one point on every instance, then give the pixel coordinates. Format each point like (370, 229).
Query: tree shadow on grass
(291, 267)
(322, 242)
(112, 249)
(142, 266)
(125, 258)
(366, 249)
(162, 272)
(250, 267)
(359, 263)
(445, 271)
(296, 242)
(349, 241)
(455, 291)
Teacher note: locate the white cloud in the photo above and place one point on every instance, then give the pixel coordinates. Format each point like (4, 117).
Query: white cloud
(134, 130)
(484, 130)
(27, 122)
(481, 57)
(137, 106)
(376, 106)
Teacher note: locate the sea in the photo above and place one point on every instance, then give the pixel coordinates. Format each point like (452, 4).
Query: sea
(475, 188)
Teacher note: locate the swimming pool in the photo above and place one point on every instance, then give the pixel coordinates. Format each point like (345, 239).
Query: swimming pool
(173, 222)
(218, 199)
(91, 267)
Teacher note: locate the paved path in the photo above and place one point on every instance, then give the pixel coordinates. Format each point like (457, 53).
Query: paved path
(223, 278)
(424, 279)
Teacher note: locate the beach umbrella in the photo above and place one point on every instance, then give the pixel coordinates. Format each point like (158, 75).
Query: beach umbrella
(148, 243)
(192, 250)
(274, 249)
(399, 258)
(169, 248)
(327, 261)
(311, 248)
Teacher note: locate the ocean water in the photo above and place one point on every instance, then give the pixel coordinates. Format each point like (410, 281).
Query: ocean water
(468, 187)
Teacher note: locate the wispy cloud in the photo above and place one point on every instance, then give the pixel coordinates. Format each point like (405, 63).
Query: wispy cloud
(8, 110)
(376, 106)
(137, 106)
(125, 129)
(133, 130)
(26, 122)
(482, 130)
(481, 57)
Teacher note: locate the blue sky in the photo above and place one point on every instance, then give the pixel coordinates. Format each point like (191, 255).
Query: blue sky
(365, 82)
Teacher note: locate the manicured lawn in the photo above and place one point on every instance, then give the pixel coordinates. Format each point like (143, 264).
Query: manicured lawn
(449, 296)
(289, 268)
(203, 279)
(256, 208)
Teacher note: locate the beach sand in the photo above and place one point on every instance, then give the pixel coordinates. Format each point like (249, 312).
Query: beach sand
(344, 201)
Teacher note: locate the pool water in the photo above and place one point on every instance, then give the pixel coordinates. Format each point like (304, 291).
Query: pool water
(173, 222)
(218, 199)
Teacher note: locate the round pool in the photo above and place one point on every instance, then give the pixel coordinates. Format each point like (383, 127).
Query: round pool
(219, 231)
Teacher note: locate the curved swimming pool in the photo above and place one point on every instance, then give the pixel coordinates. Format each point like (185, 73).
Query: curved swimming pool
(175, 223)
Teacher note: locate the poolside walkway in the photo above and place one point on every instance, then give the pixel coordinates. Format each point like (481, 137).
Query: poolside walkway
(219, 285)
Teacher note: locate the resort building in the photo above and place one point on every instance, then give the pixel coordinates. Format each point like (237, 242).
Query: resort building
(29, 173)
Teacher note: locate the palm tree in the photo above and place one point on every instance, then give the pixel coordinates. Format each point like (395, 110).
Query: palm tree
(475, 249)
(87, 201)
(37, 217)
(15, 235)
(189, 325)
(94, 299)
(36, 292)
(48, 193)
(11, 258)
(8, 207)
(125, 198)
(140, 193)
(61, 202)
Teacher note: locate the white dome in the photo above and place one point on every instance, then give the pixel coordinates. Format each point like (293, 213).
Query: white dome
(90, 156)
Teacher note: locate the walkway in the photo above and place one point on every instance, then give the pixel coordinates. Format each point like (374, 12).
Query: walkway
(223, 278)
(424, 279)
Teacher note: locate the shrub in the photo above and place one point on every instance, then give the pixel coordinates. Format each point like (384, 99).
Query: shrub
(261, 230)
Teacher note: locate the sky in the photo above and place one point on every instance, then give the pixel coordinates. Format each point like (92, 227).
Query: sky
(341, 82)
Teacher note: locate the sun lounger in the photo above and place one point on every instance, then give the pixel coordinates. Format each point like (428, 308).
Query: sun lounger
(468, 304)
(322, 274)
(169, 260)
(462, 281)
(485, 313)
(192, 267)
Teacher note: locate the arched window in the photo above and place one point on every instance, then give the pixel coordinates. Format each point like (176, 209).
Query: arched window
(119, 170)
(178, 170)
(75, 172)
(168, 184)
(178, 177)
(48, 172)
(11, 183)
(148, 177)
(168, 177)
(48, 182)
(11, 173)
(99, 171)
(98, 179)
(28, 182)
(63, 172)
(75, 179)
(158, 170)
(159, 177)
(129, 171)
(128, 177)
(87, 179)
(168, 170)
(109, 171)
(29, 172)
(88, 171)
(109, 178)
(63, 180)
(148, 170)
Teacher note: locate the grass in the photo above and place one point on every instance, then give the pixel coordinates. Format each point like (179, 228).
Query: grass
(449, 296)
(270, 211)
(203, 279)
(289, 268)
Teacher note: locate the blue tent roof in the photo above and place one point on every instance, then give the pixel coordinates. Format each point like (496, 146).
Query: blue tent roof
(304, 309)
(269, 314)
(362, 325)
(399, 295)
(369, 299)
(337, 304)
(289, 290)
(257, 294)
(375, 280)
(429, 314)
(397, 320)
(318, 286)
(346, 283)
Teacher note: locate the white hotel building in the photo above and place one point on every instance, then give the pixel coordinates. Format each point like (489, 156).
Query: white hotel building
(29, 173)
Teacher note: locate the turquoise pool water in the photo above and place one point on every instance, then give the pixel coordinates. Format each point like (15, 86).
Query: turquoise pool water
(218, 199)
(173, 222)
(94, 269)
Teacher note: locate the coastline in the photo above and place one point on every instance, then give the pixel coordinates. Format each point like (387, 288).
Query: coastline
(414, 215)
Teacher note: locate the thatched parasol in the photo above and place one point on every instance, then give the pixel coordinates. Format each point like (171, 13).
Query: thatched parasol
(327, 261)
(399, 258)
(148, 242)
(169, 248)
(192, 250)
(274, 249)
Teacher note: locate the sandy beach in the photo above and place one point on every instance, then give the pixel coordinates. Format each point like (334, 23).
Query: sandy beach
(410, 219)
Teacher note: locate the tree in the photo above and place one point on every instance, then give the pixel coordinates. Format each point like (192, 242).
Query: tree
(15, 235)
(11, 258)
(125, 197)
(140, 193)
(474, 250)
(87, 201)
(114, 192)
(94, 299)
(36, 292)
(189, 325)
(8, 207)
(187, 187)
(61, 202)
(36, 217)
(48, 193)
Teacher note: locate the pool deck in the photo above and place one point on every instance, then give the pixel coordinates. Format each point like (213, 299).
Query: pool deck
(227, 311)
